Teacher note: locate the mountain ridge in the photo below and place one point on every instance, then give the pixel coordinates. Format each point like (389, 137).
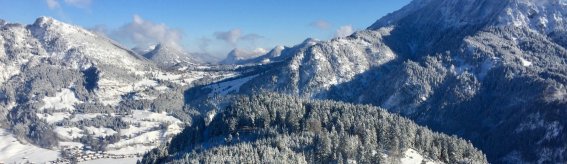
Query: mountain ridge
(474, 78)
(66, 89)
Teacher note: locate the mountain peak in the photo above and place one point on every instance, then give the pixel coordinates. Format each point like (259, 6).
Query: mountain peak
(164, 45)
(279, 47)
(535, 14)
(444, 13)
(310, 41)
(167, 56)
(141, 50)
(44, 20)
(172, 48)
(163, 49)
(277, 51)
(160, 45)
(236, 52)
(51, 26)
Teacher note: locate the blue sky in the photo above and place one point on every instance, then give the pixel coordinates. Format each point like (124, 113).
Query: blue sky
(208, 26)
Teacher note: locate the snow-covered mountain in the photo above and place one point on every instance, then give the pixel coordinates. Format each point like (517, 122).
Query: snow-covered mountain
(470, 16)
(72, 93)
(79, 48)
(169, 57)
(490, 71)
(242, 56)
(67, 89)
(260, 56)
(141, 50)
(63, 45)
(493, 72)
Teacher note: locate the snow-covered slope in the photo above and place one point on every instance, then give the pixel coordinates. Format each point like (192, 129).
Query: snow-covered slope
(441, 23)
(542, 15)
(71, 91)
(314, 66)
(13, 150)
(169, 57)
(413, 157)
(480, 69)
(79, 48)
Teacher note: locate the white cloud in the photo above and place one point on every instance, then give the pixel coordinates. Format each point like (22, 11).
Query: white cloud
(251, 37)
(78, 3)
(204, 44)
(259, 51)
(244, 53)
(52, 4)
(230, 36)
(344, 31)
(100, 29)
(143, 33)
(320, 24)
(235, 35)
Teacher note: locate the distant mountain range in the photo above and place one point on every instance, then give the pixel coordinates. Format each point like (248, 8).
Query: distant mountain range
(72, 92)
(493, 72)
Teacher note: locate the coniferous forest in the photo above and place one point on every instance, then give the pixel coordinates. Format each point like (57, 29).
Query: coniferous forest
(274, 128)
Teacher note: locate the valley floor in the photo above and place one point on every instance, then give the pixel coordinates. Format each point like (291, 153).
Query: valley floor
(14, 151)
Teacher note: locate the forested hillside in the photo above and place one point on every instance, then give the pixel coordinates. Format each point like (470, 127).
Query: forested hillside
(273, 128)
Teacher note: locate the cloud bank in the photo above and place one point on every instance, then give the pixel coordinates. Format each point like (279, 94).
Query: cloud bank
(344, 31)
(55, 4)
(234, 36)
(143, 33)
(78, 3)
(52, 4)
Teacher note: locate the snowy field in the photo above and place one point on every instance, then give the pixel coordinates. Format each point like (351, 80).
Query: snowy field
(112, 161)
(413, 157)
(227, 87)
(14, 151)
